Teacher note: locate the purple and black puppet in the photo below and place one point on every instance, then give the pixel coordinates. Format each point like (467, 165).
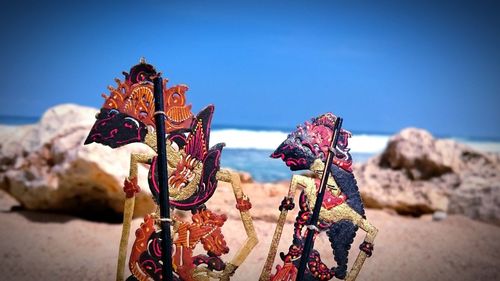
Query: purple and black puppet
(342, 210)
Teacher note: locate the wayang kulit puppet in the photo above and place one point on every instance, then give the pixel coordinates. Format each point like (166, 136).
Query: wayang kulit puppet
(339, 212)
(127, 116)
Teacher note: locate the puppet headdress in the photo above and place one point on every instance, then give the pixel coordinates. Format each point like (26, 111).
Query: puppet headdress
(134, 97)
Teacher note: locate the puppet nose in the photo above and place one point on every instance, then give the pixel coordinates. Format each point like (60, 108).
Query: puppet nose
(88, 140)
(281, 150)
(91, 139)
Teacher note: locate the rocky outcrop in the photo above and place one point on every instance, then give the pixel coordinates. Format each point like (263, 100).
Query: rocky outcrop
(46, 166)
(418, 174)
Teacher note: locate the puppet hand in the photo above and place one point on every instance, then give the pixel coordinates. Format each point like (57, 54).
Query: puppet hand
(287, 204)
(243, 204)
(228, 272)
(366, 247)
(287, 272)
(130, 187)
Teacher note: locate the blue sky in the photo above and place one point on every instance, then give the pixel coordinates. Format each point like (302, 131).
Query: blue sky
(382, 67)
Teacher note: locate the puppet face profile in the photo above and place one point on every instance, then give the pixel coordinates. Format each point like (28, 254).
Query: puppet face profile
(294, 153)
(114, 129)
(310, 141)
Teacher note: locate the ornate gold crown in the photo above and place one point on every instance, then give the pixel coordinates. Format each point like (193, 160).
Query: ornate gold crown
(134, 97)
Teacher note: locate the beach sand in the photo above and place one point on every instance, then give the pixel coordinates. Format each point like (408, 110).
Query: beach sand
(44, 246)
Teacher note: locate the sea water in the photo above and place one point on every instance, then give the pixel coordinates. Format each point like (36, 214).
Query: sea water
(248, 149)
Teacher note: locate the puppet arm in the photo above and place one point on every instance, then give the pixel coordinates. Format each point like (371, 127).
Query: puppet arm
(345, 212)
(130, 188)
(243, 205)
(366, 247)
(286, 205)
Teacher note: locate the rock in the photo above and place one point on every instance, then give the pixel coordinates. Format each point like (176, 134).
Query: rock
(413, 151)
(245, 177)
(47, 167)
(478, 197)
(439, 216)
(418, 174)
(6, 202)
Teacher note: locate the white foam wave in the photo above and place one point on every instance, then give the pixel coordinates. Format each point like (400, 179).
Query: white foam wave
(270, 140)
(368, 143)
(362, 143)
(488, 146)
(247, 139)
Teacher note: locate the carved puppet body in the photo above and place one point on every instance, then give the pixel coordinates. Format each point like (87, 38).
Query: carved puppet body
(342, 210)
(193, 173)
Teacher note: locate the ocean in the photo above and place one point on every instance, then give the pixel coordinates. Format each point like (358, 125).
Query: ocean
(248, 149)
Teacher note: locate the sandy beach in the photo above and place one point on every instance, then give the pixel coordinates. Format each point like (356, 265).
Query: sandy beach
(45, 246)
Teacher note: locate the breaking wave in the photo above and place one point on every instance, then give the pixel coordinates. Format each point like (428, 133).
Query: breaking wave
(359, 143)
(270, 140)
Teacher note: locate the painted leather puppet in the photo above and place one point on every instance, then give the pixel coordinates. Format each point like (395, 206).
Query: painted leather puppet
(193, 173)
(342, 210)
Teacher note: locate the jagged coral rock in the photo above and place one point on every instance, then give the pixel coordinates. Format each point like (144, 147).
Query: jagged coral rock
(418, 174)
(46, 166)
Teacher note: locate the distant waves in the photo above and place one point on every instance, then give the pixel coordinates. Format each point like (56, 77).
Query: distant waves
(249, 150)
(359, 143)
(269, 140)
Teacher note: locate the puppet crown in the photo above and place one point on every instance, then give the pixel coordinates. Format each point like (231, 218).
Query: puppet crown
(134, 97)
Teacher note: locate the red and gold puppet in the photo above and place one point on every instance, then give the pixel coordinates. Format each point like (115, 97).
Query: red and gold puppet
(127, 116)
(341, 211)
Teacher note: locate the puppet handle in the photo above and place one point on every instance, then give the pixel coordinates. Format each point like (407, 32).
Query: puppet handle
(268, 266)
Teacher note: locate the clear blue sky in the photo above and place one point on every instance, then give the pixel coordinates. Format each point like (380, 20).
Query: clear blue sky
(381, 66)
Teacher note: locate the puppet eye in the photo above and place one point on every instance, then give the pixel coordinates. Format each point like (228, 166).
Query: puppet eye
(113, 112)
(133, 121)
(175, 146)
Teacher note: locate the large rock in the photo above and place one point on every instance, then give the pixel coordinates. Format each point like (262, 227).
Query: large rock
(46, 166)
(418, 174)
